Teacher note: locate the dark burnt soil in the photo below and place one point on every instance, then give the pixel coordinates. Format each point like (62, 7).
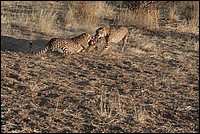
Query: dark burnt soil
(150, 88)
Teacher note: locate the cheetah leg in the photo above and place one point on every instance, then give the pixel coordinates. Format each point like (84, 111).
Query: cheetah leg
(93, 47)
(124, 42)
(105, 48)
(65, 51)
(30, 46)
(107, 44)
(84, 49)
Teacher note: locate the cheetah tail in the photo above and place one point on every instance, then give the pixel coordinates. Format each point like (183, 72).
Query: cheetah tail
(36, 52)
(30, 46)
(42, 51)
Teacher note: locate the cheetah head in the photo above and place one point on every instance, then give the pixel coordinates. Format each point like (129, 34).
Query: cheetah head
(101, 32)
(93, 40)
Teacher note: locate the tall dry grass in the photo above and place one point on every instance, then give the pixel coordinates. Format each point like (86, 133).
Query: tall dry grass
(186, 11)
(46, 16)
(173, 14)
(143, 17)
(111, 104)
(87, 15)
(42, 20)
(34, 18)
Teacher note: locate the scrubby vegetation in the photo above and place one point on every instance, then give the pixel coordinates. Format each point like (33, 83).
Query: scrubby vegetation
(90, 15)
(151, 87)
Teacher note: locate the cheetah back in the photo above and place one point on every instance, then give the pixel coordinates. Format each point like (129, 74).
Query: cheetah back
(62, 45)
(82, 40)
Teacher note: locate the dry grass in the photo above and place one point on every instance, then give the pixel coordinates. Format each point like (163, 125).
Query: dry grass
(188, 13)
(156, 91)
(148, 18)
(140, 115)
(43, 18)
(172, 14)
(87, 15)
(42, 21)
(33, 18)
(184, 10)
(185, 14)
(152, 87)
(111, 105)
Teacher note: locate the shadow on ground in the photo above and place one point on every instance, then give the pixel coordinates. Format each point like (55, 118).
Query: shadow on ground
(20, 45)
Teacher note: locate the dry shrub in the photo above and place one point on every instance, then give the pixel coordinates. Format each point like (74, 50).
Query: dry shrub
(140, 115)
(87, 15)
(188, 12)
(25, 14)
(111, 104)
(42, 20)
(46, 21)
(5, 25)
(184, 10)
(151, 19)
(173, 14)
(147, 18)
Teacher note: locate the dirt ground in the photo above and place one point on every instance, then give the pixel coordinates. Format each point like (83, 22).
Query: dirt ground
(152, 87)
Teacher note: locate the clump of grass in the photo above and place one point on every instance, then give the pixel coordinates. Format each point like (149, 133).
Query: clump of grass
(111, 105)
(87, 15)
(46, 21)
(41, 20)
(148, 18)
(104, 107)
(186, 11)
(140, 115)
(173, 14)
(5, 25)
(30, 17)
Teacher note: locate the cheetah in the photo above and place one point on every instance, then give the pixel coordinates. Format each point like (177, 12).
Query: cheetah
(112, 35)
(66, 45)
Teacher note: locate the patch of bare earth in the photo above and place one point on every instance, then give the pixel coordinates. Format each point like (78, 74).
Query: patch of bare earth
(152, 87)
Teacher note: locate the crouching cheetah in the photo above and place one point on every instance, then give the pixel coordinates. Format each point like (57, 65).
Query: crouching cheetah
(66, 45)
(112, 35)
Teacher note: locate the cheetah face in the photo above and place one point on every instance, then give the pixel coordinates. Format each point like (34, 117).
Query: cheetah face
(90, 39)
(93, 40)
(101, 32)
